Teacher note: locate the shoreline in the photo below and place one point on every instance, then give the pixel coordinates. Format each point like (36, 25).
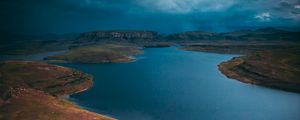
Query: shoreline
(44, 94)
(73, 101)
(67, 97)
(228, 67)
(272, 66)
(223, 67)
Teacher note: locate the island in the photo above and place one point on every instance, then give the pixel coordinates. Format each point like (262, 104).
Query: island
(36, 90)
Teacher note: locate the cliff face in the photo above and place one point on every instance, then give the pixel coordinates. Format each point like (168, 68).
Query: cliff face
(28, 45)
(120, 35)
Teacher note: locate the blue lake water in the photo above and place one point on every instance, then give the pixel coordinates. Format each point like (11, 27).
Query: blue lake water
(170, 84)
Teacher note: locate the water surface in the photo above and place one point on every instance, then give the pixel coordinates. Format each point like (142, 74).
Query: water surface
(170, 84)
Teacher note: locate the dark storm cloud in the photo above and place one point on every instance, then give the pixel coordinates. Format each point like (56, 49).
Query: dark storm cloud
(34, 16)
(65, 16)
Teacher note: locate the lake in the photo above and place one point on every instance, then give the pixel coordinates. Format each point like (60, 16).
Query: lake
(171, 84)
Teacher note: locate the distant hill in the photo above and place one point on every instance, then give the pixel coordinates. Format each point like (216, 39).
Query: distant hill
(6, 38)
(12, 43)
(192, 35)
(263, 34)
(117, 35)
(24, 44)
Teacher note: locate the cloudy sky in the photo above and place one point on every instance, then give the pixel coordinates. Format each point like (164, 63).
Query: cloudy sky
(165, 16)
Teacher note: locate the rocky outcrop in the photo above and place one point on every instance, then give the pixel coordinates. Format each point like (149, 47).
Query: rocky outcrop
(148, 38)
(116, 35)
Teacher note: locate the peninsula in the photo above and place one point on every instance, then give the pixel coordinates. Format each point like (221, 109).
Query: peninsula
(36, 90)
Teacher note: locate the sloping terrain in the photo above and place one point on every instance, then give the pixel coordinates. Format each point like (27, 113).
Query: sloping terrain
(101, 53)
(33, 90)
(275, 69)
(275, 66)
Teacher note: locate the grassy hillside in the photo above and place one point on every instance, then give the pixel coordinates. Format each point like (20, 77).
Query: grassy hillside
(32, 91)
(276, 69)
(275, 66)
(100, 53)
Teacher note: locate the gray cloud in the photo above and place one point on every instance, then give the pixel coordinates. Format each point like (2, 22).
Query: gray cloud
(63, 16)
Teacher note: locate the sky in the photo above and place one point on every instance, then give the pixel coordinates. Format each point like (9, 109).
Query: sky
(164, 16)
